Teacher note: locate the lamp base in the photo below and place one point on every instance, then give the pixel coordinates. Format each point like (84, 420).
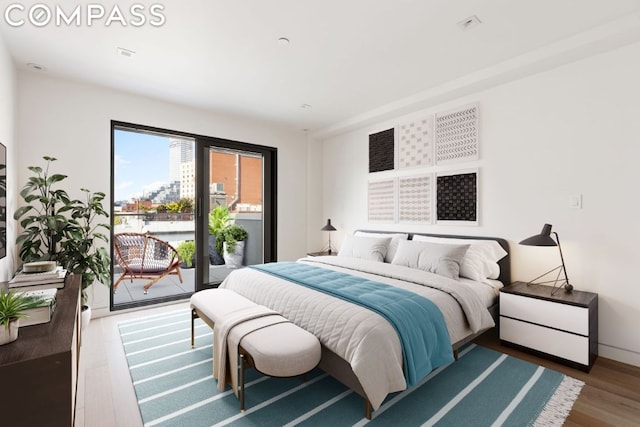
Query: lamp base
(558, 282)
(329, 249)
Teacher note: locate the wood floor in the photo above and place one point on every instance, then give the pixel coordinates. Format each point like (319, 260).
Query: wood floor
(611, 396)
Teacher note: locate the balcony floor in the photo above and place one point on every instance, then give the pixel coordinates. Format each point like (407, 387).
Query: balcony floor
(132, 291)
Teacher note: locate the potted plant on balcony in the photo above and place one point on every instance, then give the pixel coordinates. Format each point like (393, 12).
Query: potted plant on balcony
(187, 252)
(232, 239)
(12, 308)
(219, 218)
(58, 228)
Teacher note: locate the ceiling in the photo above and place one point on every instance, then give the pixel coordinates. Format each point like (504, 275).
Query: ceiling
(345, 58)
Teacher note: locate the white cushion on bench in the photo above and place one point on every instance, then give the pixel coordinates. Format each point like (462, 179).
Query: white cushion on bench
(215, 304)
(282, 350)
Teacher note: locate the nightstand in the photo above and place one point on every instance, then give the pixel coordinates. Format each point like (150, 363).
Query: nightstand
(322, 253)
(563, 327)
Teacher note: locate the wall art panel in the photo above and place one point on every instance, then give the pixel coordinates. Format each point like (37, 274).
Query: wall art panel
(457, 135)
(457, 196)
(381, 200)
(415, 195)
(415, 143)
(381, 151)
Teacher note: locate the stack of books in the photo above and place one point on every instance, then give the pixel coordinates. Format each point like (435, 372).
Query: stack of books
(43, 312)
(42, 280)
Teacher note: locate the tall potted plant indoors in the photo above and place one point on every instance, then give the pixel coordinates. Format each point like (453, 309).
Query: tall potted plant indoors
(80, 251)
(43, 218)
(58, 228)
(219, 217)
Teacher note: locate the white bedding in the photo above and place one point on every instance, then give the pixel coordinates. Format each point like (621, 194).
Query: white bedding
(361, 337)
(488, 291)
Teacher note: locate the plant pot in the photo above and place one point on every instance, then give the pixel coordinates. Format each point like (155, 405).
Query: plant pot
(9, 334)
(86, 318)
(214, 256)
(234, 260)
(185, 266)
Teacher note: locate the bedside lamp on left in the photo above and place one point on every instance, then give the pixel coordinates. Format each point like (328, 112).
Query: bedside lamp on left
(328, 227)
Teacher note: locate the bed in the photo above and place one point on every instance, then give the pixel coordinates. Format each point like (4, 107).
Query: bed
(461, 275)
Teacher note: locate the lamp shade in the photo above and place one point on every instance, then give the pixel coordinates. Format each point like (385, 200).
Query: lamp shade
(328, 226)
(542, 239)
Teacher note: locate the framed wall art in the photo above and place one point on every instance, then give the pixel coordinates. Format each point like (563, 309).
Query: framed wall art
(382, 151)
(457, 197)
(381, 204)
(457, 135)
(3, 201)
(415, 143)
(415, 199)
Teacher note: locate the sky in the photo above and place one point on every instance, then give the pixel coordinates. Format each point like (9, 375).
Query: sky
(141, 163)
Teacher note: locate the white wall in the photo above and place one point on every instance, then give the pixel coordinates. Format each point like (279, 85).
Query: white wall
(72, 122)
(8, 138)
(571, 130)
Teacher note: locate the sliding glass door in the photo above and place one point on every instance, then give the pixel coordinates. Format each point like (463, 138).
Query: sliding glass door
(153, 213)
(237, 192)
(176, 191)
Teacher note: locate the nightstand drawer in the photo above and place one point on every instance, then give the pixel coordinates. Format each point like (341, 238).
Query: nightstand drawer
(548, 313)
(557, 343)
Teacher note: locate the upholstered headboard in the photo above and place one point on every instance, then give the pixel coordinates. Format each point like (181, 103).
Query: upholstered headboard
(504, 263)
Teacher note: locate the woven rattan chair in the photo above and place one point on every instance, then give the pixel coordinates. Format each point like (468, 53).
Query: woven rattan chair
(142, 256)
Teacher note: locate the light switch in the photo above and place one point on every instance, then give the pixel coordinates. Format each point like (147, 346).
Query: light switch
(575, 201)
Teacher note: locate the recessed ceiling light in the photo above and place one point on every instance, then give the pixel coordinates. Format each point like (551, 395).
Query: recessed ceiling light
(468, 23)
(36, 67)
(283, 41)
(126, 52)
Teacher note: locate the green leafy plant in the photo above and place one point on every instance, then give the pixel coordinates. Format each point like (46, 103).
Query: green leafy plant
(58, 228)
(186, 251)
(219, 217)
(44, 221)
(231, 234)
(185, 205)
(13, 306)
(80, 252)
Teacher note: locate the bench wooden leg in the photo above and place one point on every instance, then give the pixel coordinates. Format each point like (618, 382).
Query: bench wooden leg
(242, 368)
(368, 409)
(194, 316)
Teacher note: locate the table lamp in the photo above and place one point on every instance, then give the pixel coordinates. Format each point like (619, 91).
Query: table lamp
(545, 239)
(328, 227)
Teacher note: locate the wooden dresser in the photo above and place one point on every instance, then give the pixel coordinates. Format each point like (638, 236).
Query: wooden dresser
(39, 371)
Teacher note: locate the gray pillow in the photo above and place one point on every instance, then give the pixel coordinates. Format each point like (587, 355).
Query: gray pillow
(437, 258)
(393, 244)
(370, 248)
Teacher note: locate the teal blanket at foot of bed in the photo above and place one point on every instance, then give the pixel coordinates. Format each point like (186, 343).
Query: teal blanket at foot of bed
(418, 321)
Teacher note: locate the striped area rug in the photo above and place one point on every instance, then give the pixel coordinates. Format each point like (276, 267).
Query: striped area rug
(175, 387)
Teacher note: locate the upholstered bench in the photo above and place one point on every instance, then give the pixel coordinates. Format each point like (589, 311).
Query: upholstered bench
(212, 305)
(280, 349)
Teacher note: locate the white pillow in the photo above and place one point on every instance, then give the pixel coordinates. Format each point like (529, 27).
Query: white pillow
(393, 245)
(480, 262)
(370, 248)
(432, 257)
